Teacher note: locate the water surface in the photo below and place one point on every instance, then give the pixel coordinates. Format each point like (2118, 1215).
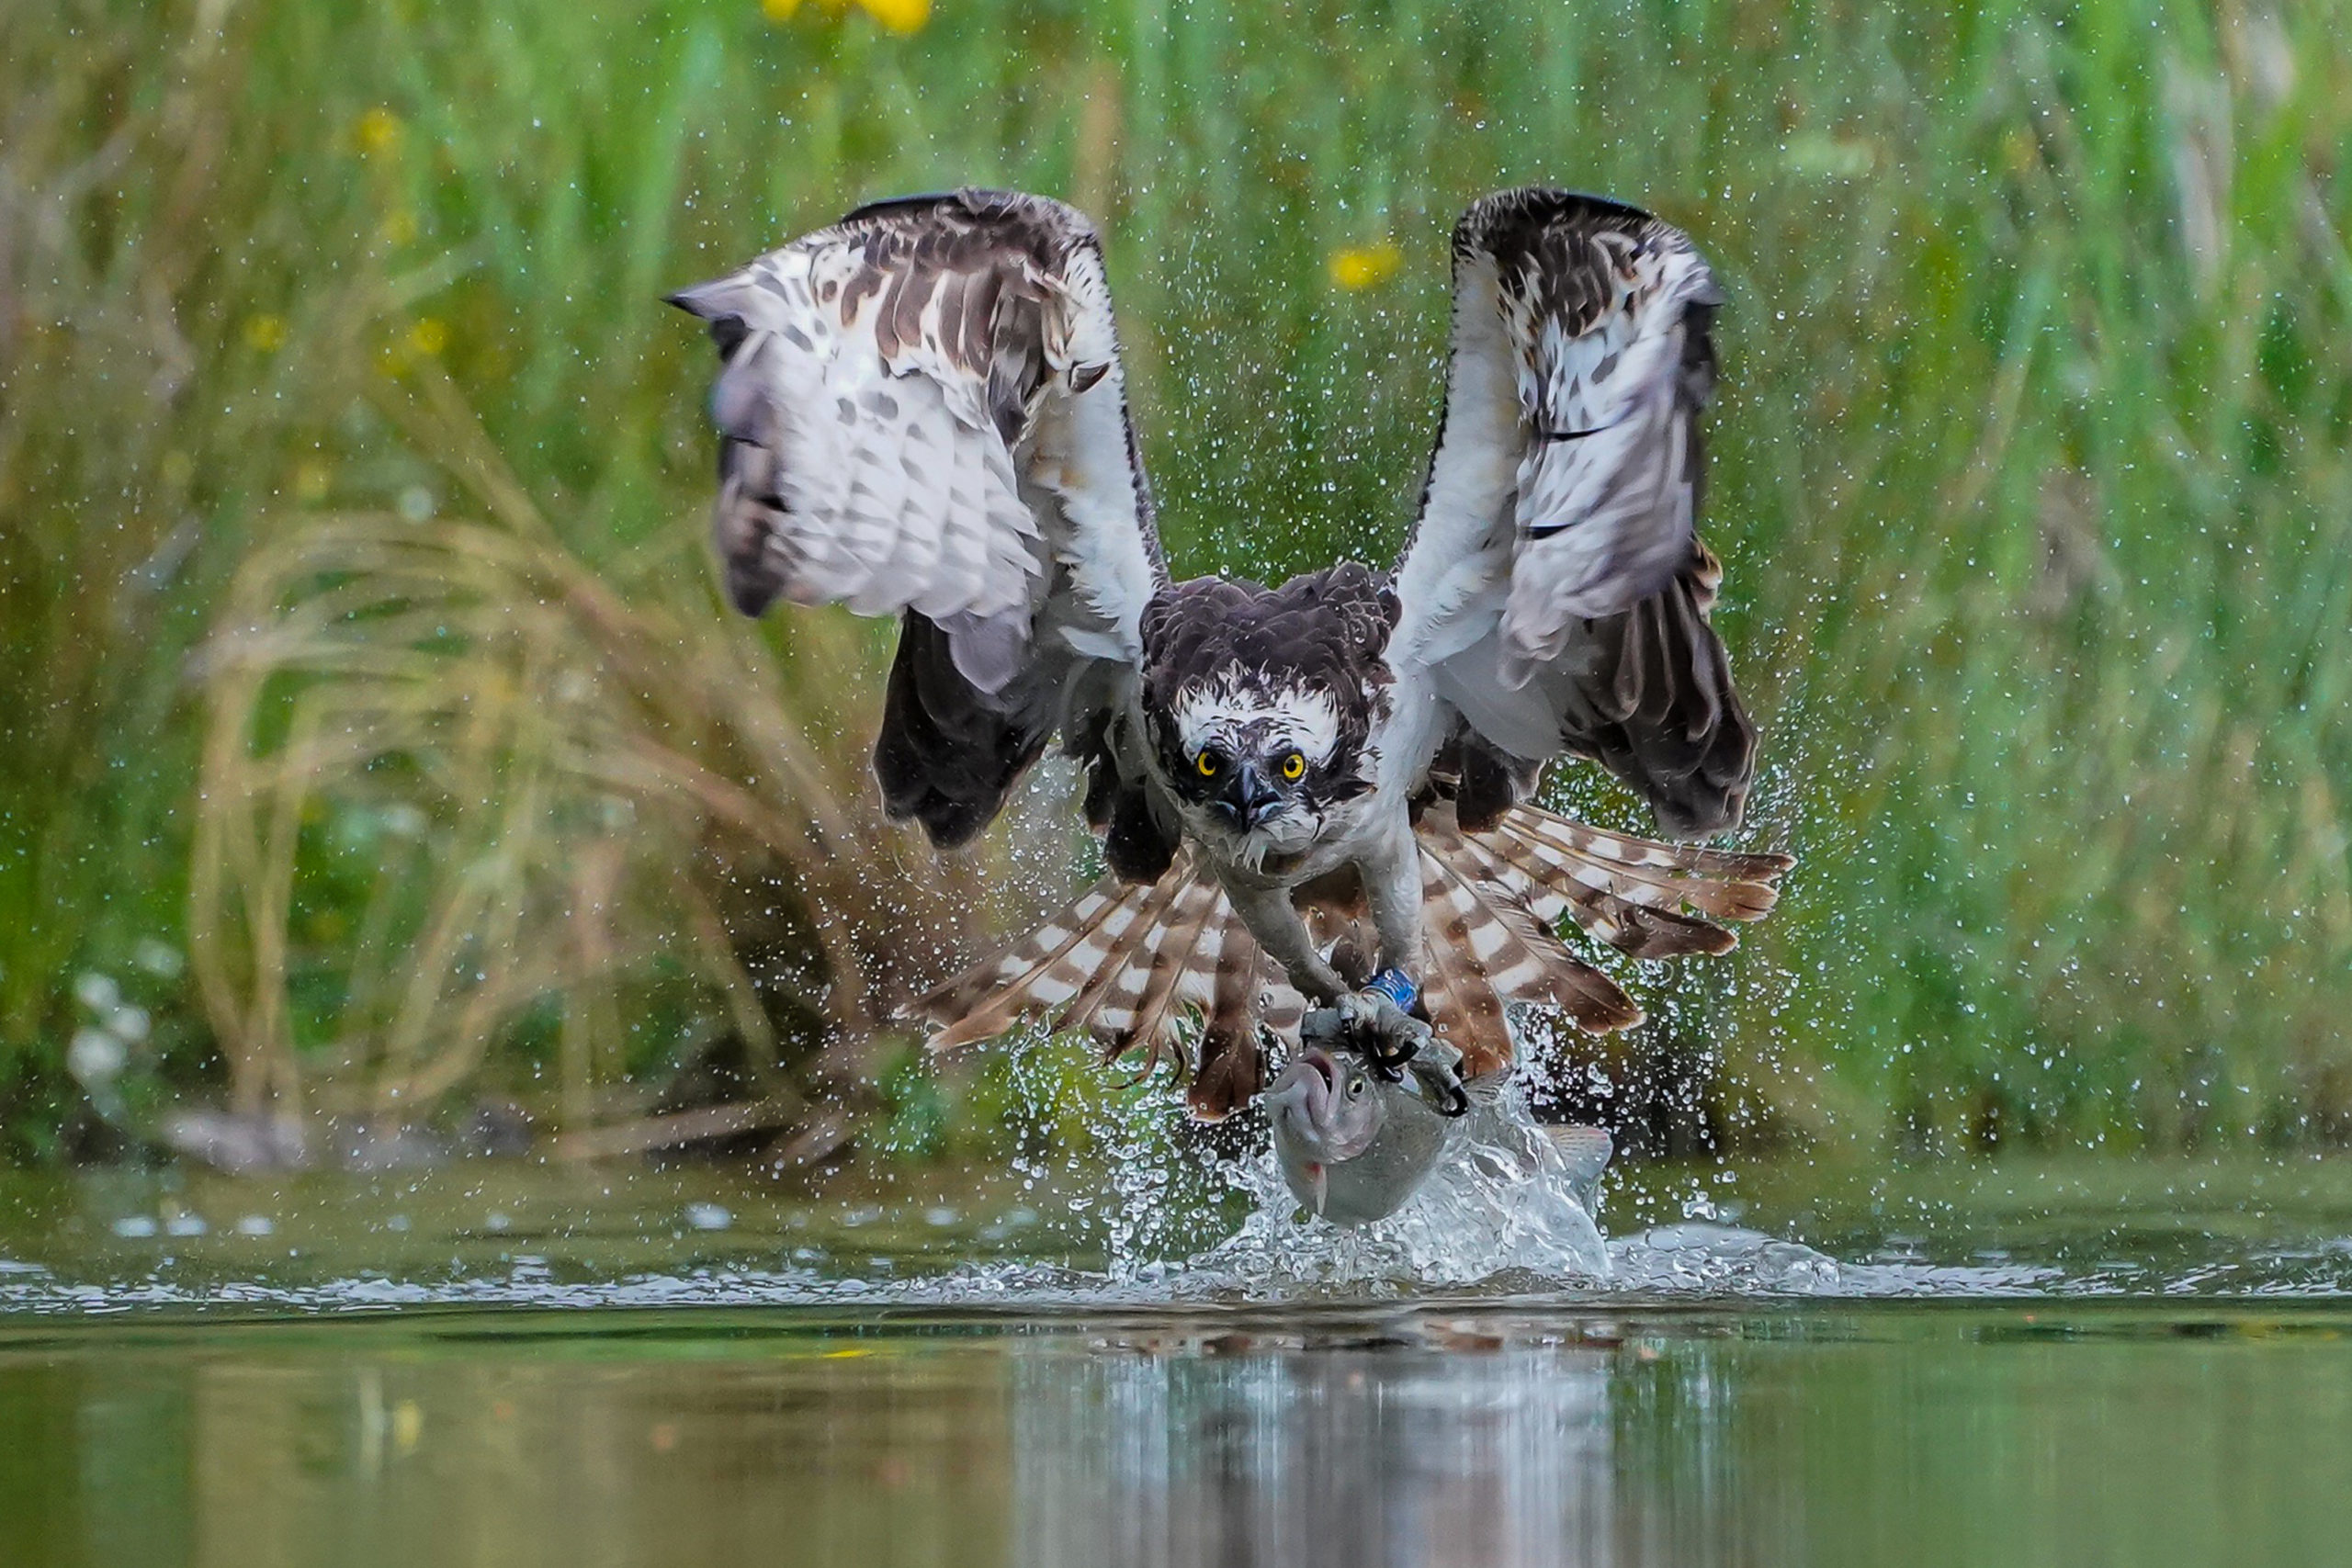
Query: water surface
(1874, 1434)
(1772, 1365)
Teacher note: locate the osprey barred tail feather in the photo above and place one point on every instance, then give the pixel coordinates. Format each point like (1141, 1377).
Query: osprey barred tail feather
(1303, 788)
(1136, 966)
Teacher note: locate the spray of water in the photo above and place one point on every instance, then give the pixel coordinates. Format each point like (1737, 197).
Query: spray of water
(1502, 1201)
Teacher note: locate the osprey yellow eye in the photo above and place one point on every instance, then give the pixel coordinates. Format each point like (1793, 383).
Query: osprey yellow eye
(1207, 764)
(1294, 767)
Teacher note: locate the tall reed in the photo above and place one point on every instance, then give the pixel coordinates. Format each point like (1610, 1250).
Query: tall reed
(2029, 468)
(463, 796)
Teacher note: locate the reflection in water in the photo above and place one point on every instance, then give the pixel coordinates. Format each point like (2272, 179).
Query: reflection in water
(1794, 1435)
(1352, 1456)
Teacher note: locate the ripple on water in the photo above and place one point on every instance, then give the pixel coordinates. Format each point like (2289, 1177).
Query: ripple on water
(1503, 1219)
(1503, 1215)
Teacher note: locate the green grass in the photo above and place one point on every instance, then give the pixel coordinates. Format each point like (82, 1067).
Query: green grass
(2029, 468)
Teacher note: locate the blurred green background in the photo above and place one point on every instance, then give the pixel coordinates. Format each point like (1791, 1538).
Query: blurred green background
(376, 743)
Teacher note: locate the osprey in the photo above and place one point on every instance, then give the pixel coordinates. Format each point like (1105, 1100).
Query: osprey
(921, 412)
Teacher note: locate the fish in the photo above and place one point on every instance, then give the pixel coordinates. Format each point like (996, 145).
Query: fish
(1353, 1144)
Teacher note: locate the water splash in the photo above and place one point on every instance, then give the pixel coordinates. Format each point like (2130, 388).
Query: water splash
(1711, 1258)
(1501, 1202)
(1684, 1262)
(1124, 1206)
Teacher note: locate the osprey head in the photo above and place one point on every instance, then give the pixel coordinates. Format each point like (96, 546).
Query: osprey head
(1262, 703)
(1258, 756)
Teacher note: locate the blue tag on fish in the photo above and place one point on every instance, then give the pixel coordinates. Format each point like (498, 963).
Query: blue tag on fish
(1391, 984)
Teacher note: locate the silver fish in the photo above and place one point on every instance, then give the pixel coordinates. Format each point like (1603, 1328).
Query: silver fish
(1352, 1144)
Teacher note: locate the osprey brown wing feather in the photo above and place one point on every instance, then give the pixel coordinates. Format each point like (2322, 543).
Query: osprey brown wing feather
(921, 414)
(1554, 583)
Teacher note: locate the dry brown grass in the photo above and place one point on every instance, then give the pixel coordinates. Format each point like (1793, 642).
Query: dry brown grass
(454, 779)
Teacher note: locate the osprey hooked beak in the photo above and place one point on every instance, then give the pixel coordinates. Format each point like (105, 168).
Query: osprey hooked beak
(1250, 798)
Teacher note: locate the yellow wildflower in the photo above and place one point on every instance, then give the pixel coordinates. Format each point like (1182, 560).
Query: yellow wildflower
(429, 337)
(266, 334)
(1355, 268)
(377, 131)
(899, 16)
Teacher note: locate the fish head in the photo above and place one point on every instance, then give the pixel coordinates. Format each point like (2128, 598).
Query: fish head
(1325, 1108)
(1326, 1101)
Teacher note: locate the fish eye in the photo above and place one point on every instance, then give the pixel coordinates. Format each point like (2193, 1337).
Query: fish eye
(1294, 767)
(1356, 1088)
(1209, 764)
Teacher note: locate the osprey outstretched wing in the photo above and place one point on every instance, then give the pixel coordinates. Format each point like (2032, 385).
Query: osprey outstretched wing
(1309, 793)
(921, 412)
(1556, 587)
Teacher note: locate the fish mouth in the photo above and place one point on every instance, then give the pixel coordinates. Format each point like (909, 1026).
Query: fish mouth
(1306, 1092)
(1318, 1061)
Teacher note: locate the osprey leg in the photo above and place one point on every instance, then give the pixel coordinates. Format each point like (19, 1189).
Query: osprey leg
(1392, 1040)
(1384, 1020)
